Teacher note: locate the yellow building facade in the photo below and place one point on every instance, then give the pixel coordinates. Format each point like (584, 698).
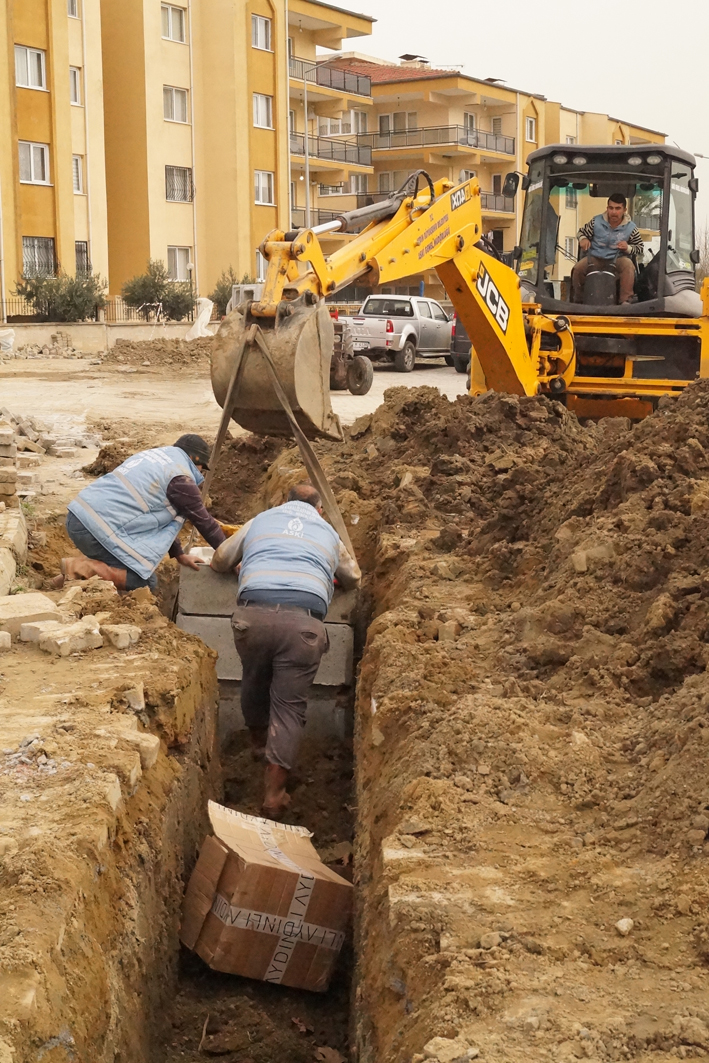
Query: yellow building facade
(52, 166)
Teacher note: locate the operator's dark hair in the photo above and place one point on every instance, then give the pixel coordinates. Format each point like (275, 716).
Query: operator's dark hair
(304, 493)
(618, 197)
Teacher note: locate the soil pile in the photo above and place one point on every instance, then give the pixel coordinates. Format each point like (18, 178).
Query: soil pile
(161, 352)
(533, 727)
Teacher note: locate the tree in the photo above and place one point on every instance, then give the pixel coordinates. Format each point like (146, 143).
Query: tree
(154, 290)
(63, 298)
(222, 289)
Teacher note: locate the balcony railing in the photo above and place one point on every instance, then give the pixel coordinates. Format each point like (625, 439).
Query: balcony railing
(327, 148)
(493, 201)
(318, 216)
(431, 136)
(330, 77)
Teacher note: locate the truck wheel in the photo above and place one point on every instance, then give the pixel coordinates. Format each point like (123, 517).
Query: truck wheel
(405, 359)
(449, 359)
(360, 374)
(461, 363)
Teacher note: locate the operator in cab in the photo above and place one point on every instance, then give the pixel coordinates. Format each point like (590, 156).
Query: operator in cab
(612, 239)
(287, 558)
(126, 521)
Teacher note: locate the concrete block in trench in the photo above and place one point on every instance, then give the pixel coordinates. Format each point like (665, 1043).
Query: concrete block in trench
(335, 668)
(204, 592)
(18, 609)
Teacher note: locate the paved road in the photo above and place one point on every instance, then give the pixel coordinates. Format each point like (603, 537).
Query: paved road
(66, 386)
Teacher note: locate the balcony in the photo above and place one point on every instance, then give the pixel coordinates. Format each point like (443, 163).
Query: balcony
(329, 77)
(435, 136)
(347, 151)
(492, 201)
(317, 216)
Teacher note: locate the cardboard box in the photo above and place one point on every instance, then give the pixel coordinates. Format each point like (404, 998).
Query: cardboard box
(260, 903)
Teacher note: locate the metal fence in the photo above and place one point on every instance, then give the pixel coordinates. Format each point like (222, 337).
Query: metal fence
(330, 77)
(494, 201)
(429, 136)
(327, 148)
(18, 311)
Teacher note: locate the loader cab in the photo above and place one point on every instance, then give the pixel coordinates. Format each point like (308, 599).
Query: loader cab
(569, 184)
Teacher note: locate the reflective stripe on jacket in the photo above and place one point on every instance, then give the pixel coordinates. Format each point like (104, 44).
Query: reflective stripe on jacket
(290, 548)
(128, 511)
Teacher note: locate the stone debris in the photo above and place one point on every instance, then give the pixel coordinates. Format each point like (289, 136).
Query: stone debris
(121, 635)
(624, 926)
(5, 641)
(448, 1050)
(64, 639)
(19, 609)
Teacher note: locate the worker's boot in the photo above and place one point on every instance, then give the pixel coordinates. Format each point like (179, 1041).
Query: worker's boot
(84, 568)
(258, 737)
(275, 800)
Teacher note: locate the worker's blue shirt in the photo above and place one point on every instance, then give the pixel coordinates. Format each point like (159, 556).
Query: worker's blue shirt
(128, 511)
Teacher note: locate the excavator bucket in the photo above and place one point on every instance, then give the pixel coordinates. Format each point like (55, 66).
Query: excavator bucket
(301, 345)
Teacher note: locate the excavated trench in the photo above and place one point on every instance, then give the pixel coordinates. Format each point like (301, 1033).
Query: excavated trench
(530, 806)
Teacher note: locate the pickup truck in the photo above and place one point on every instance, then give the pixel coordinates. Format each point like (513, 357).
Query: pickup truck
(400, 327)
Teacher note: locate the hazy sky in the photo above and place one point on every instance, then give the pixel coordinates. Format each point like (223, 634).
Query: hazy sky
(645, 62)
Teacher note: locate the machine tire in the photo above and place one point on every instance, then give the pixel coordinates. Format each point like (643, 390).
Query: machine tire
(460, 364)
(449, 359)
(360, 374)
(405, 359)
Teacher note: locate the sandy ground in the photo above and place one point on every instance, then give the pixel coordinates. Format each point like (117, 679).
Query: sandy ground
(109, 392)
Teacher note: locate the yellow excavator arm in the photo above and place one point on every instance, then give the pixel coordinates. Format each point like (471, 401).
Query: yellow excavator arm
(437, 227)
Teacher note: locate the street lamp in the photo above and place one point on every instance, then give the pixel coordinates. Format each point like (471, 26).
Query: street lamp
(190, 268)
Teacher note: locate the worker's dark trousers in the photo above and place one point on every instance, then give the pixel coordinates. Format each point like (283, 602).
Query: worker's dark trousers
(622, 267)
(280, 649)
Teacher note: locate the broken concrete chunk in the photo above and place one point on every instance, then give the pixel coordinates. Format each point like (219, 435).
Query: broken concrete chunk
(449, 1050)
(18, 609)
(5, 641)
(72, 638)
(8, 569)
(8, 475)
(147, 745)
(121, 635)
(447, 569)
(624, 926)
(37, 629)
(13, 533)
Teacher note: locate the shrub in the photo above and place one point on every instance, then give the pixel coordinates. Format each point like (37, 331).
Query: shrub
(146, 292)
(64, 298)
(222, 290)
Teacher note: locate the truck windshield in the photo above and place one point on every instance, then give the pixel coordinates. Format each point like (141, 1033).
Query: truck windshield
(390, 307)
(531, 234)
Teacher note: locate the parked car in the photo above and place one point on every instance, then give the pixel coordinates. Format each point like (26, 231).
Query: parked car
(400, 327)
(460, 346)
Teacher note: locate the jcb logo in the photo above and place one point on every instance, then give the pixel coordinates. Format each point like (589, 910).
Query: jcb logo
(459, 197)
(495, 303)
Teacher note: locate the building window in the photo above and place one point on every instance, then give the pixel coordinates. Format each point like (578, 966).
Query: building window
(178, 259)
(173, 23)
(398, 122)
(263, 187)
(291, 121)
(261, 266)
(359, 121)
(75, 84)
(38, 258)
(81, 253)
(263, 111)
(30, 68)
(261, 32)
(384, 182)
(34, 163)
(571, 197)
(174, 102)
(497, 126)
(497, 184)
(530, 125)
(468, 120)
(570, 140)
(77, 171)
(72, 7)
(570, 246)
(178, 184)
(358, 184)
(467, 175)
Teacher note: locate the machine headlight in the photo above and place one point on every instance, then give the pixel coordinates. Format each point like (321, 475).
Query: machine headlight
(579, 160)
(654, 159)
(560, 160)
(634, 160)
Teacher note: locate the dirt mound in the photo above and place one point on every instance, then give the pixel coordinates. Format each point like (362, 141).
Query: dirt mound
(238, 477)
(532, 722)
(161, 352)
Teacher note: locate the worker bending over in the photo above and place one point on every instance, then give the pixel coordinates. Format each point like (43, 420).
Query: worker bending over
(613, 240)
(289, 556)
(125, 522)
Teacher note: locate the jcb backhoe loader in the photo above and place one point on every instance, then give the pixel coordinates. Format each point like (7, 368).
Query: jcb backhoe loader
(528, 336)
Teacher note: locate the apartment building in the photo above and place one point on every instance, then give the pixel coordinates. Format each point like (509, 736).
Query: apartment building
(455, 126)
(52, 172)
(207, 103)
